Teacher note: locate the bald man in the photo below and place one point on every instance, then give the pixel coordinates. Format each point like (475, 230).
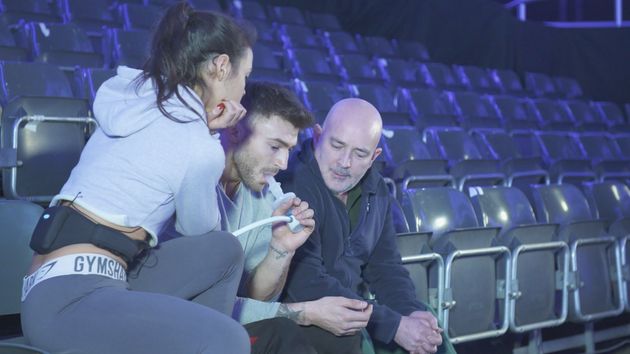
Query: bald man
(353, 247)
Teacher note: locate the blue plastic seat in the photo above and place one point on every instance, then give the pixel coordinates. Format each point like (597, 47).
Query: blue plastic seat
(540, 85)
(564, 158)
(441, 76)
(521, 170)
(476, 111)
(60, 44)
(469, 304)
(477, 79)
(409, 161)
(432, 108)
(386, 102)
(91, 16)
(413, 50)
(595, 264)
(537, 299)
(509, 81)
(43, 127)
(515, 113)
(287, 14)
(302, 37)
(140, 17)
(129, 48)
(466, 163)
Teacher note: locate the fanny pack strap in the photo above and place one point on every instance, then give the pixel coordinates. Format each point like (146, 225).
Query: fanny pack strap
(62, 226)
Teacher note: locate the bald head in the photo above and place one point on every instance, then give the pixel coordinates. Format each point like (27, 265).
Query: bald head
(355, 114)
(348, 144)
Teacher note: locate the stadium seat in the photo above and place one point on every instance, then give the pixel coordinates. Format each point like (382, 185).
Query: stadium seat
(537, 300)
(129, 48)
(471, 284)
(269, 67)
(564, 158)
(87, 81)
(623, 142)
(9, 50)
(466, 164)
(606, 159)
(343, 43)
(552, 114)
(323, 21)
(540, 85)
(401, 73)
(476, 111)
(312, 65)
(611, 201)
(387, 103)
(521, 170)
(29, 10)
(287, 15)
(92, 15)
(359, 69)
(509, 81)
(302, 37)
(251, 10)
(18, 219)
(586, 116)
(409, 162)
(515, 113)
(321, 96)
(413, 50)
(432, 108)
(267, 34)
(421, 263)
(595, 264)
(441, 76)
(613, 115)
(477, 79)
(64, 45)
(568, 87)
(380, 47)
(43, 130)
(206, 5)
(140, 17)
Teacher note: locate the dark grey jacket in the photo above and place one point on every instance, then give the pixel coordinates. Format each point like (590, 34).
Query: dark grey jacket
(336, 262)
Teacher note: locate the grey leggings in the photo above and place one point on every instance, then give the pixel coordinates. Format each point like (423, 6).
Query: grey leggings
(149, 314)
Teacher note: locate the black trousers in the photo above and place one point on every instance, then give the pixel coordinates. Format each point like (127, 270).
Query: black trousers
(325, 342)
(278, 336)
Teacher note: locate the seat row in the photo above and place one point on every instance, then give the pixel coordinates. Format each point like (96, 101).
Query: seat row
(39, 94)
(500, 259)
(426, 107)
(452, 156)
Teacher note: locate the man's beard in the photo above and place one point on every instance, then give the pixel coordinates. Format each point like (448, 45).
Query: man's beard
(245, 167)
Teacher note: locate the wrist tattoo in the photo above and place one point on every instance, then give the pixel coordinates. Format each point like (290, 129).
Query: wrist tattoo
(279, 253)
(294, 315)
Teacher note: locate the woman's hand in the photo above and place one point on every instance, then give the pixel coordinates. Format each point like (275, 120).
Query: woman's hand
(225, 114)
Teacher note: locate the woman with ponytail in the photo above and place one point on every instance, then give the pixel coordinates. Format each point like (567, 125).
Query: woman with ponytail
(99, 282)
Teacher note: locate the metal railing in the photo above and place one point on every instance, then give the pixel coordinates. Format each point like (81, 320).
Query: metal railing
(521, 12)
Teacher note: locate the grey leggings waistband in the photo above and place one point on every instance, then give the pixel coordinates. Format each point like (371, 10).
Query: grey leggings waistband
(151, 313)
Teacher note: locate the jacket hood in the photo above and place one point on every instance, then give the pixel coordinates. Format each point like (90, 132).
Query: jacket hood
(122, 108)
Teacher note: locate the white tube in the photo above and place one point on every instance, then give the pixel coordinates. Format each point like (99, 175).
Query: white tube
(260, 223)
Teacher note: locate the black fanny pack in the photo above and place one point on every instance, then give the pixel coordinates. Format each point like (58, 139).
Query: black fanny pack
(61, 226)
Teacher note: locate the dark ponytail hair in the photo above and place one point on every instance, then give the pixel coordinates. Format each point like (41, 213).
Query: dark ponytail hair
(183, 41)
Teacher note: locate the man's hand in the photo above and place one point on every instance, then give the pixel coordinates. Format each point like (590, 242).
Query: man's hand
(283, 239)
(419, 333)
(225, 115)
(339, 315)
(269, 276)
